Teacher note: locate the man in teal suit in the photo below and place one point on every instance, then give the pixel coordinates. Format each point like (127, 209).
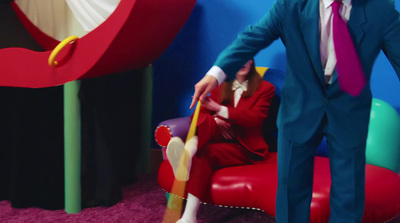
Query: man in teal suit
(312, 104)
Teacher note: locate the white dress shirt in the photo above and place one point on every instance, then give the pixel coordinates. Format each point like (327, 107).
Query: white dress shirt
(328, 57)
(238, 89)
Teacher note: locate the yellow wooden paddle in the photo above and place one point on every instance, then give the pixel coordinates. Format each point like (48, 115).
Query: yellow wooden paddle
(175, 201)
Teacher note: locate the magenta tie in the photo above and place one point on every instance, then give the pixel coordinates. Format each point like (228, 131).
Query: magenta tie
(350, 74)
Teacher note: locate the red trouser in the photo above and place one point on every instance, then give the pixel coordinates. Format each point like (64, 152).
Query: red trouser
(214, 152)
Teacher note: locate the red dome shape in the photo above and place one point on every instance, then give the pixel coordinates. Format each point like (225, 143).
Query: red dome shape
(134, 36)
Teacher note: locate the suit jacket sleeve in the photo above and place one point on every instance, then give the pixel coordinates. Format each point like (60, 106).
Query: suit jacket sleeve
(252, 40)
(391, 41)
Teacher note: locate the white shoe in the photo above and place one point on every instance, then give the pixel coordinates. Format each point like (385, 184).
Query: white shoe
(179, 158)
(186, 221)
(191, 145)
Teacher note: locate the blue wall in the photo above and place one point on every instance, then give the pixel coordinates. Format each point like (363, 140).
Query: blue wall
(211, 27)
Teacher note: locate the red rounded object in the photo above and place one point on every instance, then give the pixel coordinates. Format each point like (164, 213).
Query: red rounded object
(382, 194)
(162, 135)
(254, 187)
(133, 36)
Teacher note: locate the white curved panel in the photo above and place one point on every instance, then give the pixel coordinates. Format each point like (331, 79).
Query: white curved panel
(62, 18)
(91, 13)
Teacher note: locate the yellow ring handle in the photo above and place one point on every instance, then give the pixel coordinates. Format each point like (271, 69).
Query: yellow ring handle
(58, 48)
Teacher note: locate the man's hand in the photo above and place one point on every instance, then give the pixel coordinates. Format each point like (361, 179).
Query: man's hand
(225, 128)
(202, 88)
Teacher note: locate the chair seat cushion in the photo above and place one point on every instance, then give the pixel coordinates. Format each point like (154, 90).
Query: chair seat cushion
(254, 186)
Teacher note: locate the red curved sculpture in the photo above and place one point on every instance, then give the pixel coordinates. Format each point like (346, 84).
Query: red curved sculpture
(134, 36)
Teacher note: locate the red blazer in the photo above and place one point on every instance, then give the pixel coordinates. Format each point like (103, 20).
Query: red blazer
(248, 116)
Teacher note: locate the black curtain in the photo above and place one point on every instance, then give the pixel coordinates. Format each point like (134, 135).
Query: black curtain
(111, 135)
(31, 147)
(31, 134)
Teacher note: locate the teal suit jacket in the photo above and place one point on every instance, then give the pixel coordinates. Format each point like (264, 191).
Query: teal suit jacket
(374, 25)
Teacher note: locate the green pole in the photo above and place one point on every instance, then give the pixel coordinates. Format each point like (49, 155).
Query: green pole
(146, 114)
(72, 148)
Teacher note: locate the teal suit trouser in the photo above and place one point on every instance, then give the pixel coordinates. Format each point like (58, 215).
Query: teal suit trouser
(295, 178)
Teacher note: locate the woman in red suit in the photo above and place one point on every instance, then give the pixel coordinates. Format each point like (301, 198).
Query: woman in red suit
(229, 133)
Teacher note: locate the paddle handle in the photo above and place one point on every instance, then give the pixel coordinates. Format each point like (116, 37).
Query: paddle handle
(193, 125)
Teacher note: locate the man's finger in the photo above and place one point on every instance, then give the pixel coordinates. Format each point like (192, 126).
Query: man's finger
(202, 88)
(195, 97)
(204, 94)
(194, 100)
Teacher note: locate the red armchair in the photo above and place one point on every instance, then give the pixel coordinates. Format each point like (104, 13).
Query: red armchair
(254, 186)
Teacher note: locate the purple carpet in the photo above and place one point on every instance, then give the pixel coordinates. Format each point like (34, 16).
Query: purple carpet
(143, 202)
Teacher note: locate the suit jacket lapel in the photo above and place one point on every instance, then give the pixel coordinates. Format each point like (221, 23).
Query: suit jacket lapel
(246, 102)
(310, 30)
(356, 21)
(242, 101)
